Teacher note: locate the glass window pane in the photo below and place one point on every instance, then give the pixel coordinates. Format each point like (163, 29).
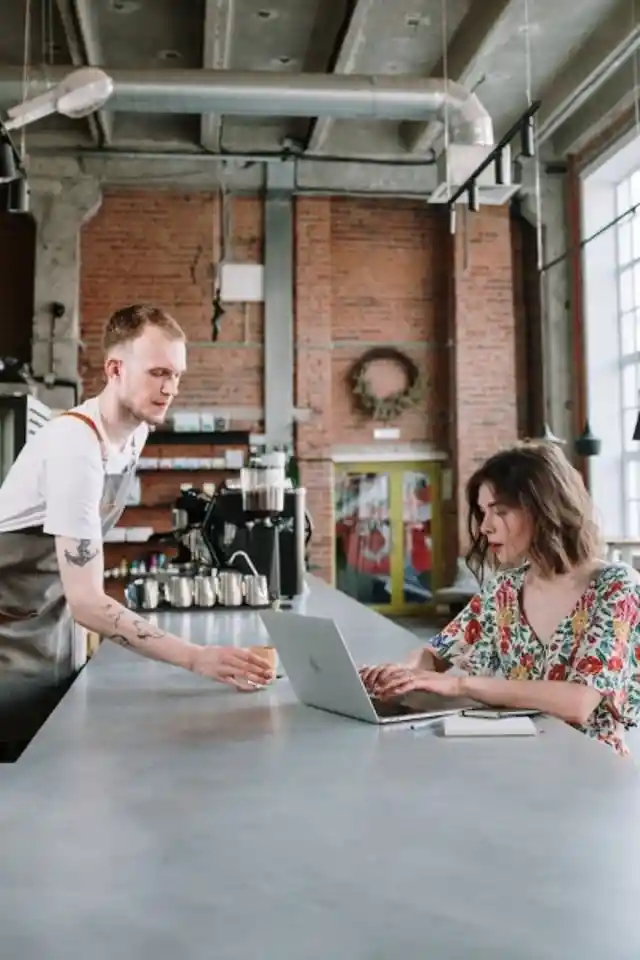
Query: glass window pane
(635, 187)
(625, 251)
(626, 290)
(628, 333)
(636, 285)
(632, 488)
(634, 224)
(622, 197)
(417, 513)
(363, 537)
(633, 519)
(630, 386)
(629, 418)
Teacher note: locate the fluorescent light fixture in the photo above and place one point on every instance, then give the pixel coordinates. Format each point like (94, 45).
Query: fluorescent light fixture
(81, 93)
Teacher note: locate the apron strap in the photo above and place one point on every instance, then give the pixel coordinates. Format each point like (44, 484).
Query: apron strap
(85, 419)
(91, 424)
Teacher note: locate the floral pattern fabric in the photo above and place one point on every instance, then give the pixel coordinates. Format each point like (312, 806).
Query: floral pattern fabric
(597, 644)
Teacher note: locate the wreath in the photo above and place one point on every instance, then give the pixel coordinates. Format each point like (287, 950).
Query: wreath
(390, 406)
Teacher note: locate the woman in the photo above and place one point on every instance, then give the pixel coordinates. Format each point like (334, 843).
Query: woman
(556, 629)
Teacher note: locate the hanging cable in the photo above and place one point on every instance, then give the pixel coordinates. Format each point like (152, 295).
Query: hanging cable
(537, 192)
(636, 97)
(445, 71)
(25, 72)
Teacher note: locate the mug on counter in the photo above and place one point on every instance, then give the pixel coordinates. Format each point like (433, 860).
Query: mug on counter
(268, 653)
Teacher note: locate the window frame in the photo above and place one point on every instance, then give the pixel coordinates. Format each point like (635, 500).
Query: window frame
(630, 185)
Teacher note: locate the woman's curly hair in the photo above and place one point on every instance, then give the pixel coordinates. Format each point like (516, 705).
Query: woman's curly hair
(537, 478)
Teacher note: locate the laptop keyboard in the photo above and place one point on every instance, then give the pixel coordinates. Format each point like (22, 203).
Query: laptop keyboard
(392, 708)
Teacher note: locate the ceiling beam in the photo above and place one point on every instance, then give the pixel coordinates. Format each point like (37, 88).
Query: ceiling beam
(610, 104)
(85, 50)
(218, 30)
(597, 60)
(344, 61)
(467, 59)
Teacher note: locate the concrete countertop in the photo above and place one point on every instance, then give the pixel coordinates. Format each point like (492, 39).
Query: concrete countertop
(157, 815)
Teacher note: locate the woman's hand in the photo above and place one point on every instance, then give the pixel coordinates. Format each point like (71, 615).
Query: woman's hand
(394, 680)
(374, 677)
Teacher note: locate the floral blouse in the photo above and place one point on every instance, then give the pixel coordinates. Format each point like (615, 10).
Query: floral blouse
(597, 644)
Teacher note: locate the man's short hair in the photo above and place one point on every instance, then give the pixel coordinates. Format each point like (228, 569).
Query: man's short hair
(129, 323)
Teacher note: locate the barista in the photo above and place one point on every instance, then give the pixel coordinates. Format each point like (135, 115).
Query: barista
(67, 488)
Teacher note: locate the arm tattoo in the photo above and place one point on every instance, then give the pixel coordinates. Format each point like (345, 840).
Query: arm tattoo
(118, 638)
(82, 556)
(143, 629)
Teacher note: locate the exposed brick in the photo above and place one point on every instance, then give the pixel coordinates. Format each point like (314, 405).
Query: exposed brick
(367, 271)
(159, 247)
(483, 331)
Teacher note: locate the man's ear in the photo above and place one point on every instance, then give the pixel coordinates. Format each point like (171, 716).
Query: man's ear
(112, 367)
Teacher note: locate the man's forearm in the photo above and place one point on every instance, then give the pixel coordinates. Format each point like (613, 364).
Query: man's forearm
(128, 629)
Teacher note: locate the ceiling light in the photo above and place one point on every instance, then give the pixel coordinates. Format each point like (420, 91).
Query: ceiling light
(80, 93)
(125, 6)
(8, 167)
(18, 196)
(417, 20)
(587, 444)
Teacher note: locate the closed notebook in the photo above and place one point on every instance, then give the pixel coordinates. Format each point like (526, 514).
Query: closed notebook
(469, 726)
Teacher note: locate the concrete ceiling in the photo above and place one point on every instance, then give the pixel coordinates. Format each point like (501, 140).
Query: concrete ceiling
(580, 66)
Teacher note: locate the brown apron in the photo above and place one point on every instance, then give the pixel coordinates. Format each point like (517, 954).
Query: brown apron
(37, 633)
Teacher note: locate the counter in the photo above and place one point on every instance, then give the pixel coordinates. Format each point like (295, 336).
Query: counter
(159, 816)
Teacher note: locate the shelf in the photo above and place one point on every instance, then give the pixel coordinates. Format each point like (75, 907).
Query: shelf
(147, 470)
(217, 438)
(139, 545)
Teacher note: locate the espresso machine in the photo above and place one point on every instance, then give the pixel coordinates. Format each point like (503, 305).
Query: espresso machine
(187, 517)
(266, 519)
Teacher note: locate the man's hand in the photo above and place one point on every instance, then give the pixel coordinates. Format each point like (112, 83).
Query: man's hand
(239, 668)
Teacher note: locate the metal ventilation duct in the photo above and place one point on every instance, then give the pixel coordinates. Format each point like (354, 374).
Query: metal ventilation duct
(225, 92)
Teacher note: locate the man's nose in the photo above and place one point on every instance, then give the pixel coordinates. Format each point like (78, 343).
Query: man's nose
(170, 388)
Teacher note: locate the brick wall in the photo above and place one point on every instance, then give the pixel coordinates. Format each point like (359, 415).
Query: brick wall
(367, 272)
(483, 331)
(528, 328)
(158, 247)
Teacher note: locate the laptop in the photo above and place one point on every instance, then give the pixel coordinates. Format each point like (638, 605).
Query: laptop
(323, 674)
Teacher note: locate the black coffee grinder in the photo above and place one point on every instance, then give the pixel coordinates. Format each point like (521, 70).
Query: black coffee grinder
(263, 514)
(262, 486)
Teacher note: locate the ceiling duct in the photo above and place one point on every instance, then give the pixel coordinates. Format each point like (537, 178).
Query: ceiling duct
(458, 162)
(230, 93)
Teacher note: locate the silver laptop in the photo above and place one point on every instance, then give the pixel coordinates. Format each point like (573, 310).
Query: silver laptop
(323, 674)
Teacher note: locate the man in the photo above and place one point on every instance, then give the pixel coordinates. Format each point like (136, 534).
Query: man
(66, 489)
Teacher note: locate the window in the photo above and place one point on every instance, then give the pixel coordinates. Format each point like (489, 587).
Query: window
(628, 284)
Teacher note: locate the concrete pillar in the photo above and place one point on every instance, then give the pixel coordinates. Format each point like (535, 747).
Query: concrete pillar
(555, 298)
(60, 208)
(313, 373)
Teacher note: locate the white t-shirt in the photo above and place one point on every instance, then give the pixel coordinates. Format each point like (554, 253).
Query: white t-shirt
(57, 479)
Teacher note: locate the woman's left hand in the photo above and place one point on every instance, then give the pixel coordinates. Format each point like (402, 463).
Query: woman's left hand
(400, 681)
